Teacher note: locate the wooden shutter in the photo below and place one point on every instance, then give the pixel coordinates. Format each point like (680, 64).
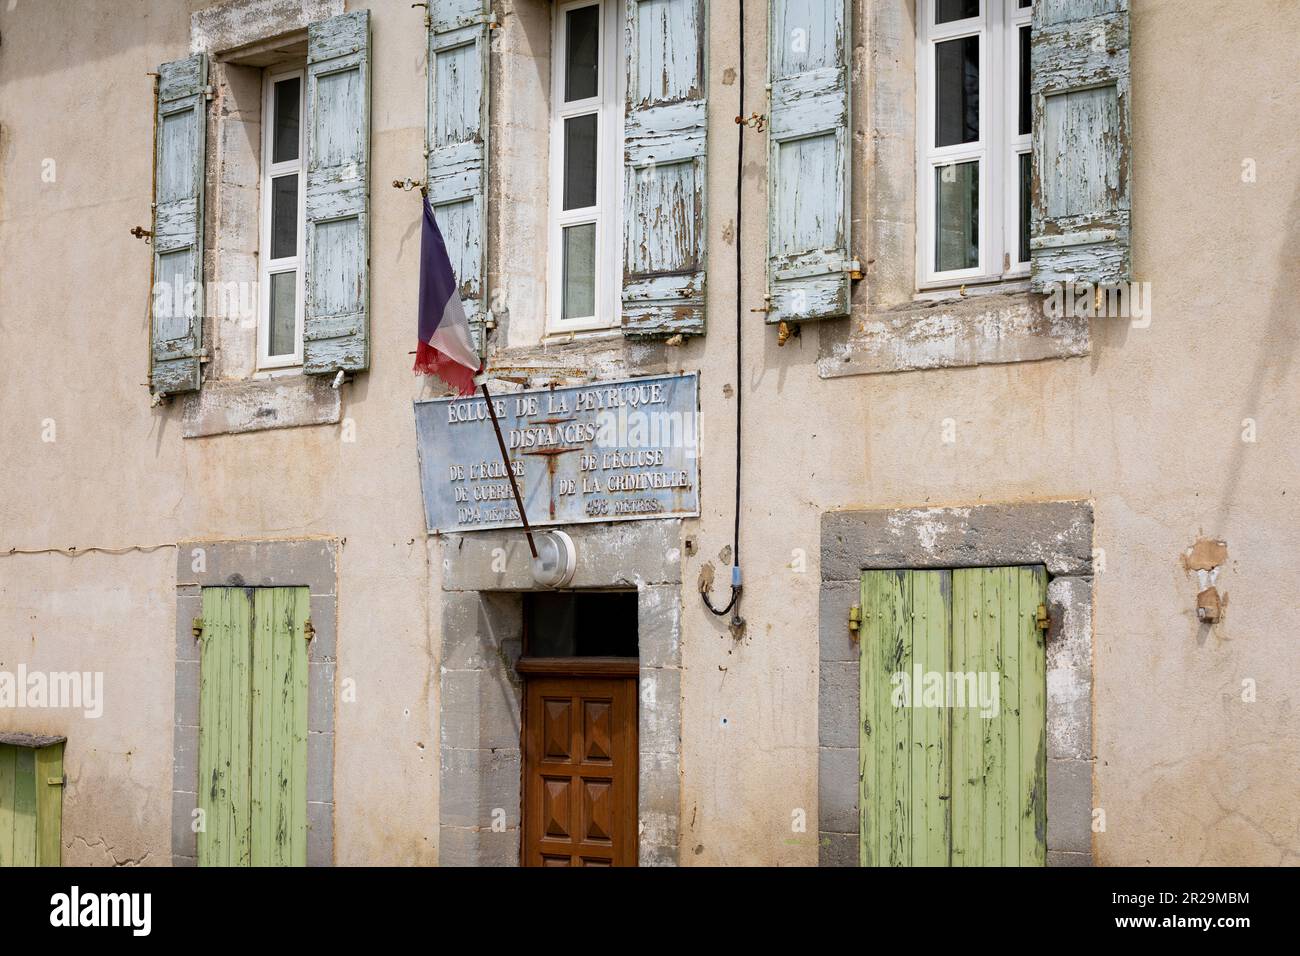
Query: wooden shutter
(336, 320)
(457, 145)
(253, 727)
(176, 320)
(1082, 153)
(809, 263)
(950, 785)
(225, 727)
(31, 800)
(664, 133)
(278, 773)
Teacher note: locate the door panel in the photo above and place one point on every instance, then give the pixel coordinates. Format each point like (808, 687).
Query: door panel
(953, 764)
(580, 772)
(253, 727)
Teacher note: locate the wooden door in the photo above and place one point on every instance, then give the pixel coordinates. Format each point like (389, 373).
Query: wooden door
(253, 727)
(580, 771)
(953, 713)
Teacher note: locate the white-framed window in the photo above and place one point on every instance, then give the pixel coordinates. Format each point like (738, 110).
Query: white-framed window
(280, 250)
(974, 129)
(586, 234)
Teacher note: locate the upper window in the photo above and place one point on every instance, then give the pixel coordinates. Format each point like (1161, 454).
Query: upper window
(586, 167)
(973, 141)
(280, 313)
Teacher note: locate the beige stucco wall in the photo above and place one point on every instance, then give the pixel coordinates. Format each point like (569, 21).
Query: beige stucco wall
(1148, 426)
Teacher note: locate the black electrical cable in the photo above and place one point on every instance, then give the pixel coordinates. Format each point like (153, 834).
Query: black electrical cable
(740, 391)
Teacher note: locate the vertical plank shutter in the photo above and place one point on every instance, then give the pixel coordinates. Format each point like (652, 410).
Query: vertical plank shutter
(457, 145)
(945, 781)
(225, 727)
(664, 133)
(1082, 157)
(809, 262)
(278, 762)
(176, 320)
(336, 308)
(253, 727)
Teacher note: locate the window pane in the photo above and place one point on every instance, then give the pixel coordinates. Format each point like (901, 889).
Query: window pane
(284, 147)
(1026, 111)
(582, 52)
(579, 271)
(1026, 3)
(1026, 168)
(580, 161)
(957, 215)
(957, 91)
(945, 11)
(284, 216)
(284, 292)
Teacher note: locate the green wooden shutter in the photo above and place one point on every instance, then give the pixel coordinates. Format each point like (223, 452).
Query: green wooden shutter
(809, 263)
(1082, 153)
(253, 727)
(457, 145)
(225, 727)
(999, 766)
(336, 334)
(176, 315)
(279, 727)
(664, 134)
(31, 800)
(948, 785)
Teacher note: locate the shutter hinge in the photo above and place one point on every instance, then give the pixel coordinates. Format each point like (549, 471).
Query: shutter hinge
(308, 632)
(57, 781)
(854, 268)
(196, 628)
(207, 93)
(140, 232)
(756, 120)
(1042, 620)
(855, 620)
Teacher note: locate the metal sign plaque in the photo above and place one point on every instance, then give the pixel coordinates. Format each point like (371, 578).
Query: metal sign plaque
(610, 451)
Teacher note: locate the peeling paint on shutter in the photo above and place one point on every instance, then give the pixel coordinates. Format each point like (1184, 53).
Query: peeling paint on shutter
(808, 169)
(457, 145)
(1082, 160)
(336, 321)
(664, 132)
(176, 319)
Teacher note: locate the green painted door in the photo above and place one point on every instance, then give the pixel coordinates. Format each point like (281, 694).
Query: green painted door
(31, 801)
(253, 727)
(953, 706)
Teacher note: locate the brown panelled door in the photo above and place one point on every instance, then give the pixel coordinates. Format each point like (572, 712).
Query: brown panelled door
(580, 771)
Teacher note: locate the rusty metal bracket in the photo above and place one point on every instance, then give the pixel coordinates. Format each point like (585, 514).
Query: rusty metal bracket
(408, 184)
(756, 120)
(140, 232)
(1042, 620)
(308, 631)
(196, 628)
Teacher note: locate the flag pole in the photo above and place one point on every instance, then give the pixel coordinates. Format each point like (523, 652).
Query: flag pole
(510, 472)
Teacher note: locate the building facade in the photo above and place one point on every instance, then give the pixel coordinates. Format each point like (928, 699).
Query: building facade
(979, 319)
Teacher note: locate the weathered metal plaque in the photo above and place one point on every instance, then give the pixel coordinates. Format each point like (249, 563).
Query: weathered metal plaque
(610, 451)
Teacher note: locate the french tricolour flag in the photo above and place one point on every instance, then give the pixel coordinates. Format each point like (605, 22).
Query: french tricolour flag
(446, 349)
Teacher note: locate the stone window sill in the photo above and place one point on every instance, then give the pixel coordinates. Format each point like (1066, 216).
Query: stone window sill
(953, 332)
(260, 404)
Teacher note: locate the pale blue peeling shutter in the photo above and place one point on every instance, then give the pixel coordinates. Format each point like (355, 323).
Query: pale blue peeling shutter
(809, 263)
(176, 320)
(1082, 155)
(336, 321)
(663, 184)
(457, 145)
